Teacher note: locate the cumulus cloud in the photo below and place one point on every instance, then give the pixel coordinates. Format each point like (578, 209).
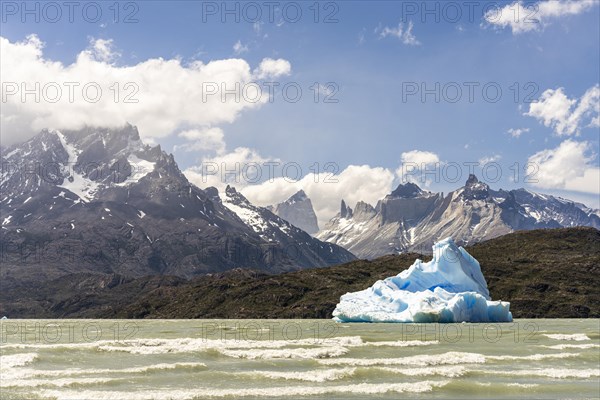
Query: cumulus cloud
(400, 32)
(240, 167)
(524, 17)
(205, 139)
(567, 116)
(569, 166)
(103, 50)
(270, 68)
(353, 184)
(414, 164)
(158, 95)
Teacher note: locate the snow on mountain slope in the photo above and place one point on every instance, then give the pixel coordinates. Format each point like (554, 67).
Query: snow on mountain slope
(410, 219)
(120, 206)
(274, 229)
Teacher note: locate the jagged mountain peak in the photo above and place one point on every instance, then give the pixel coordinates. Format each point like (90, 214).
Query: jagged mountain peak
(298, 196)
(471, 214)
(91, 161)
(345, 211)
(131, 206)
(475, 189)
(297, 210)
(471, 180)
(407, 190)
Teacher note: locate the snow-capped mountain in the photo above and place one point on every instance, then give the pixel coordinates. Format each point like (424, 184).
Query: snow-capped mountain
(101, 200)
(410, 219)
(298, 210)
(274, 229)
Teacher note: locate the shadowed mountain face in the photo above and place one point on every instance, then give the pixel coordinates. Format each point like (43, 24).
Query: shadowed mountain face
(550, 273)
(410, 219)
(99, 200)
(298, 210)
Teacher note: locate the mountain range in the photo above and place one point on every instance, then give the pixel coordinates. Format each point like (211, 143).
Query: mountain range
(412, 219)
(100, 200)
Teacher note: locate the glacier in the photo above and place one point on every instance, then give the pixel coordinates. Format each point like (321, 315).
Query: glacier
(449, 288)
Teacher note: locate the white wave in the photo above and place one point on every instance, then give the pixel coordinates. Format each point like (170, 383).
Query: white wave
(534, 357)
(285, 391)
(190, 345)
(58, 382)
(448, 372)
(546, 373)
(309, 376)
(32, 373)
(524, 385)
(16, 360)
(572, 346)
(402, 343)
(451, 357)
(576, 336)
(252, 354)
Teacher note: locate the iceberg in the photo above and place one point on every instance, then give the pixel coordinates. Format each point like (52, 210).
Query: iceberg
(449, 288)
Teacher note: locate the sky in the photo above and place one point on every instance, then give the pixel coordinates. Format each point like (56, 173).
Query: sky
(344, 99)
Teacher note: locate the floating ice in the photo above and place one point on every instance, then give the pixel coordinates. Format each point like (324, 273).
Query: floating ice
(449, 288)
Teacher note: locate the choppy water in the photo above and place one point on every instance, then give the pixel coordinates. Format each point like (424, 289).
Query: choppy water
(288, 359)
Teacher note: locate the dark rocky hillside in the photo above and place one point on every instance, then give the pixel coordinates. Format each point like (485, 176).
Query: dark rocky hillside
(552, 273)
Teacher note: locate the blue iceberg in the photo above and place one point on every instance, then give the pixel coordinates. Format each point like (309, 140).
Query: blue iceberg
(449, 288)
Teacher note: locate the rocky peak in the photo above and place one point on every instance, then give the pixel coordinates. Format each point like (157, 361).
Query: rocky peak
(475, 190)
(298, 211)
(345, 211)
(363, 211)
(471, 180)
(407, 190)
(298, 197)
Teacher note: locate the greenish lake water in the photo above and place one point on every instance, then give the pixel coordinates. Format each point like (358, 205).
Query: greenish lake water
(289, 359)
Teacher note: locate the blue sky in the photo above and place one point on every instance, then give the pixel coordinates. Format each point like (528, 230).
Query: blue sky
(371, 59)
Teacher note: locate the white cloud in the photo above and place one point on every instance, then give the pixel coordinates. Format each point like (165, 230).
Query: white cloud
(270, 68)
(355, 183)
(241, 167)
(399, 32)
(566, 116)
(103, 50)
(524, 17)
(569, 166)
(239, 48)
(419, 157)
(489, 159)
(516, 133)
(414, 164)
(169, 94)
(206, 139)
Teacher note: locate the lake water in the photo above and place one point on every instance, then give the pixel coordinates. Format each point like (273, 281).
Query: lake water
(289, 359)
